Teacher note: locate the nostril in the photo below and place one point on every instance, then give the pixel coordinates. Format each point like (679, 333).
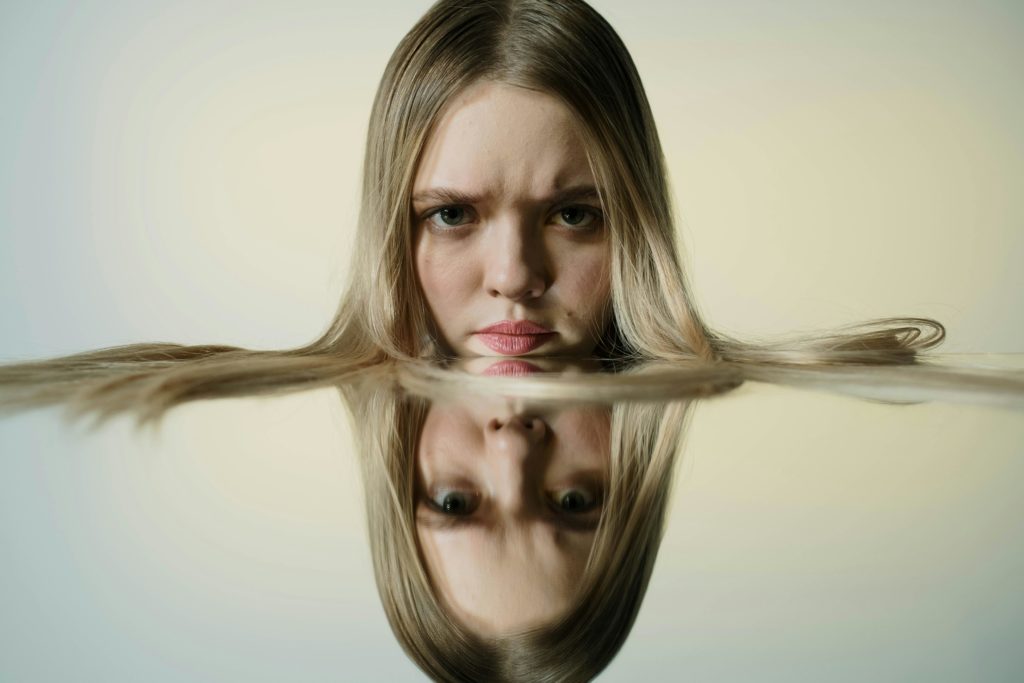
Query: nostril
(516, 294)
(535, 426)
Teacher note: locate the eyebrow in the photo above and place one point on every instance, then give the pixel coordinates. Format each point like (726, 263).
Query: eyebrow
(432, 519)
(448, 195)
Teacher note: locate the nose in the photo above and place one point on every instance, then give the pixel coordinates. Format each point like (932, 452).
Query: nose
(515, 434)
(513, 453)
(515, 264)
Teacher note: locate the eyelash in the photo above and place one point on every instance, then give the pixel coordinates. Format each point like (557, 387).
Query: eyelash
(596, 222)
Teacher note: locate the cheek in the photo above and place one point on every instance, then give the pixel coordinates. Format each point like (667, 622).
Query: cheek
(586, 434)
(445, 277)
(450, 442)
(587, 283)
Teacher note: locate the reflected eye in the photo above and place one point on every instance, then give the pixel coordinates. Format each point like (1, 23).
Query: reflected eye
(578, 217)
(448, 217)
(575, 501)
(454, 502)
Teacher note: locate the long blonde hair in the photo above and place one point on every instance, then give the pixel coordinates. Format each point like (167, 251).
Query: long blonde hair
(564, 48)
(568, 50)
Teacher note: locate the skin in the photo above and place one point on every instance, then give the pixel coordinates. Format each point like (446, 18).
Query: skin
(505, 227)
(512, 557)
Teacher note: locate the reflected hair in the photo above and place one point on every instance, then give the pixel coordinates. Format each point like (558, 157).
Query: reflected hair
(645, 441)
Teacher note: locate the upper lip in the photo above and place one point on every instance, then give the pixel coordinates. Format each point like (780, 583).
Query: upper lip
(518, 327)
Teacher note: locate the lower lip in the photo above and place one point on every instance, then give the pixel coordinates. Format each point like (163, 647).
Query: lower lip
(511, 368)
(514, 344)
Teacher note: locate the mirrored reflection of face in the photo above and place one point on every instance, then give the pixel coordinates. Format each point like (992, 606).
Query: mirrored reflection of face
(511, 247)
(507, 505)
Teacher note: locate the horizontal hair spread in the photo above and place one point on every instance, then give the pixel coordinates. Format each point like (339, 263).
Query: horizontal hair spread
(563, 48)
(566, 49)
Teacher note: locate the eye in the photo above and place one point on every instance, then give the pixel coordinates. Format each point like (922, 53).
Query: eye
(448, 217)
(578, 217)
(575, 501)
(455, 503)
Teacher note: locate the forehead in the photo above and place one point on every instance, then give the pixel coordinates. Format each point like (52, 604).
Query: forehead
(503, 140)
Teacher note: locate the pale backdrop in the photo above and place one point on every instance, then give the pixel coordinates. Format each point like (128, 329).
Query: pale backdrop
(187, 171)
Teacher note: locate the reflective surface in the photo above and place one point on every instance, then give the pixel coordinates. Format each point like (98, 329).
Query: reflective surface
(808, 535)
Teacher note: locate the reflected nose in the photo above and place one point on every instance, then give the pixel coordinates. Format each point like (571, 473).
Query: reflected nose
(515, 268)
(513, 449)
(517, 434)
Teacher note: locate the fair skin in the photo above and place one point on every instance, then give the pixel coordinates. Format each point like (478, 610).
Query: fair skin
(508, 500)
(511, 249)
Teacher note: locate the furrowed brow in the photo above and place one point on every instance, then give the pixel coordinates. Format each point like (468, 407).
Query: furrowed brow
(448, 195)
(574, 194)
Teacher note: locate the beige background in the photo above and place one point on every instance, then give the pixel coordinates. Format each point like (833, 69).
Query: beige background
(188, 171)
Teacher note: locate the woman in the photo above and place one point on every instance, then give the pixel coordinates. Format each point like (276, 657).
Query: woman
(553, 69)
(444, 268)
(501, 74)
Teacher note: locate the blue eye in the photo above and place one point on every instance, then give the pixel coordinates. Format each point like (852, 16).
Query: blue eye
(448, 217)
(578, 217)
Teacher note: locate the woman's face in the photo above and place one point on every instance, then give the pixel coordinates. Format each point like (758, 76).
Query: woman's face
(507, 505)
(512, 252)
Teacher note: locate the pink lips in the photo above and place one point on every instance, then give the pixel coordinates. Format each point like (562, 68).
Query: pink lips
(514, 337)
(511, 368)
